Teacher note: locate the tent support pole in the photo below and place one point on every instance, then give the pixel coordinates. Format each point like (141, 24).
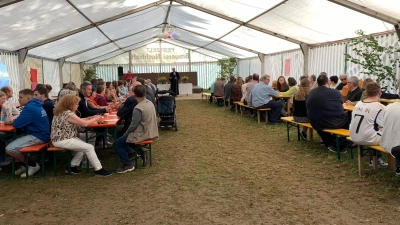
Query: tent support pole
(82, 71)
(397, 30)
(261, 57)
(130, 60)
(60, 66)
(305, 49)
(190, 60)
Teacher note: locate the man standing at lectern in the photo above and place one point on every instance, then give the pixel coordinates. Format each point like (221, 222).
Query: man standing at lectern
(129, 75)
(174, 80)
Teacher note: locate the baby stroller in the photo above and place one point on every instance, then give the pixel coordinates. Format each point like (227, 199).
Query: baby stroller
(166, 109)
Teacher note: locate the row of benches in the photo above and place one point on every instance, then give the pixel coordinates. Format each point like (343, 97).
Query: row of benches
(39, 148)
(362, 150)
(240, 106)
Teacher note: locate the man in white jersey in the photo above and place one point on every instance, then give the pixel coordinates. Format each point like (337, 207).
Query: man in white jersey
(366, 121)
(390, 136)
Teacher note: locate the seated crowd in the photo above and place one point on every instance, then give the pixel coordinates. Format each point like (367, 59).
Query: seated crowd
(42, 120)
(320, 101)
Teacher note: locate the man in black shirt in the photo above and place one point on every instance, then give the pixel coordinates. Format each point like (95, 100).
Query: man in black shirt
(325, 111)
(355, 92)
(343, 82)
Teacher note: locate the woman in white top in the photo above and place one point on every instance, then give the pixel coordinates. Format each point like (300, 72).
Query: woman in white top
(64, 131)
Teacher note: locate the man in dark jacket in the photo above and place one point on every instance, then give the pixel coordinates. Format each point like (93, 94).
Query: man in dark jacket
(325, 111)
(126, 110)
(228, 89)
(355, 91)
(84, 110)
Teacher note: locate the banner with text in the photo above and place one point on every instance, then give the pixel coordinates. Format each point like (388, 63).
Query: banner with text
(152, 53)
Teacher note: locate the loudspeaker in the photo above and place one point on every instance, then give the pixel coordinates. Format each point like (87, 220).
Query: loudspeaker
(120, 71)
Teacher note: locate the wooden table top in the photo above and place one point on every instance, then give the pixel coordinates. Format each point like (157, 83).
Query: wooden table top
(110, 119)
(388, 101)
(283, 96)
(348, 107)
(7, 128)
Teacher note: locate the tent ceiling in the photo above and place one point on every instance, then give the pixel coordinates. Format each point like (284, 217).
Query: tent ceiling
(94, 30)
(315, 21)
(98, 10)
(71, 44)
(386, 7)
(134, 23)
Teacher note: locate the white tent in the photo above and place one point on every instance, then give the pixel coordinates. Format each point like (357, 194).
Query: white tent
(91, 31)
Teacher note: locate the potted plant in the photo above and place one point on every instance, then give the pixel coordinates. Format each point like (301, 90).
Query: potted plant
(185, 79)
(90, 73)
(162, 80)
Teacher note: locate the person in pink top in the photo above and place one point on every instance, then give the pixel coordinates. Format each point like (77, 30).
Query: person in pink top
(250, 86)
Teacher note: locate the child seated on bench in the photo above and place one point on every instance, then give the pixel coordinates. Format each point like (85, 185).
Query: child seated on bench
(366, 122)
(33, 119)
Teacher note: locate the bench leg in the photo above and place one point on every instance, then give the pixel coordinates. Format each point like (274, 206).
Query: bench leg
(241, 111)
(287, 131)
(310, 134)
(266, 116)
(360, 161)
(298, 132)
(13, 168)
(374, 161)
(55, 163)
(69, 161)
(26, 164)
(258, 116)
(151, 161)
(43, 171)
(391, 162)
(337, 147)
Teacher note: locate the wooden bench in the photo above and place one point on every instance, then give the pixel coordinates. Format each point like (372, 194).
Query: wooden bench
(339, 133)
(220, 97)
(364, 151)
(55, 150)
(291, 123)
(145, 147)
(207, 95)
(237, 105)
(27, 151)
(259, 110)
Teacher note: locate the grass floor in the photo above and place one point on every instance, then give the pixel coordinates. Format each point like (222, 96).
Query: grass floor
(219, 168)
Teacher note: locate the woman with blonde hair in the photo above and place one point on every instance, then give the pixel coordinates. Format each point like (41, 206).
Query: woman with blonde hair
(299, 106)
(64, 132)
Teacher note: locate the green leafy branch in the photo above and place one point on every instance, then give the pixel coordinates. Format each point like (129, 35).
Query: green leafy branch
(369, 54)
(227, 65)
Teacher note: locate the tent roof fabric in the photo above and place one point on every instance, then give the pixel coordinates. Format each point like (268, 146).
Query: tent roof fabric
(92, 31)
